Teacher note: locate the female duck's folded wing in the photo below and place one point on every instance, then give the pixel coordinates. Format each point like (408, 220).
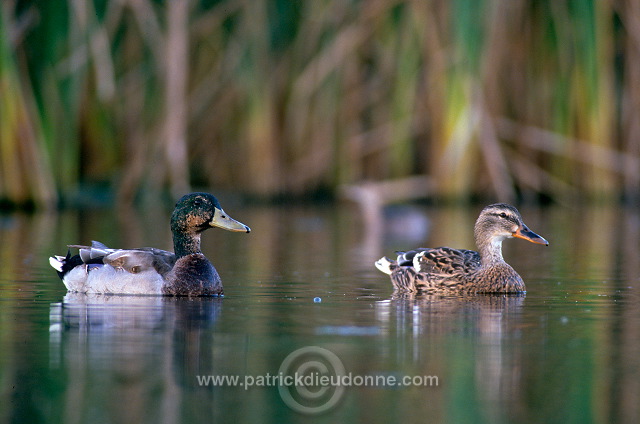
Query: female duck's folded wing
(405, 258)
(445, 260)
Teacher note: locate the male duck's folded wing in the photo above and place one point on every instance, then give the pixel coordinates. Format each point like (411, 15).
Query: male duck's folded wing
(130, 260)
(139, 260)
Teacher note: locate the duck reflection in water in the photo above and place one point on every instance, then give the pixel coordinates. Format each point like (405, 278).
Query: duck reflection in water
(136, 344)
(480, 331)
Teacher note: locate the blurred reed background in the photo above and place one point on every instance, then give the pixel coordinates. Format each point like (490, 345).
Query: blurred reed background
(492, 98)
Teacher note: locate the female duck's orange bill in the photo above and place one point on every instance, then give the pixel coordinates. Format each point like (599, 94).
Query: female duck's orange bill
(526, 234)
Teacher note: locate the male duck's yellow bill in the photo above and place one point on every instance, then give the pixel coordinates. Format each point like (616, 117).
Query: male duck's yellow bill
(526, 234)
(222, 220)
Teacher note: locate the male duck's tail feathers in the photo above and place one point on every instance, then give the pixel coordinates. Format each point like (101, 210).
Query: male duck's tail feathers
(57, 262)
(88, 254)
(64, 264)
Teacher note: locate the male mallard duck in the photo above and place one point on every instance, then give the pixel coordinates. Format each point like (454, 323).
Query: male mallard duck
(187, 272)
(447, 270)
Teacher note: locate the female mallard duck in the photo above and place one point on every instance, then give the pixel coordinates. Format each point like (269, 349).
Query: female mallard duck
(447, 270)
(187, 272)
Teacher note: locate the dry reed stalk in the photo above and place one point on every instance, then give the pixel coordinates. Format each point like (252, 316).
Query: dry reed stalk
(262, 167)
(604, 158)
(135, 144)
(321, 83)
(629, 12)
(175, 102)
(491, 101)
(453, 114)
(24, 173)
(603, 129)
(98, 47)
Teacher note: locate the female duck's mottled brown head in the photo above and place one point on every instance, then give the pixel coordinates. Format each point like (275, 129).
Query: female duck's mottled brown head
(496, 223)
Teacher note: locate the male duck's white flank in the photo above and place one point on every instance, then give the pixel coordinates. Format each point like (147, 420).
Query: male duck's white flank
(151, 271)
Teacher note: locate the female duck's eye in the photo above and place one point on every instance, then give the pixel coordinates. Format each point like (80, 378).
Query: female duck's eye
(503, 215)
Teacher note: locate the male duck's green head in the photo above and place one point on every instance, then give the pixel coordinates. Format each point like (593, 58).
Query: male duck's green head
(197, 212)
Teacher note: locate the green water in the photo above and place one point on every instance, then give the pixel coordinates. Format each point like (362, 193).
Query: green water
(566, 352)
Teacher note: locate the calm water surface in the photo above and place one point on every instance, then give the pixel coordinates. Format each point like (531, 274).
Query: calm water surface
(566, 352)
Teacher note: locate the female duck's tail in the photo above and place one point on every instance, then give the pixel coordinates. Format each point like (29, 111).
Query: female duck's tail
(386, 265)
